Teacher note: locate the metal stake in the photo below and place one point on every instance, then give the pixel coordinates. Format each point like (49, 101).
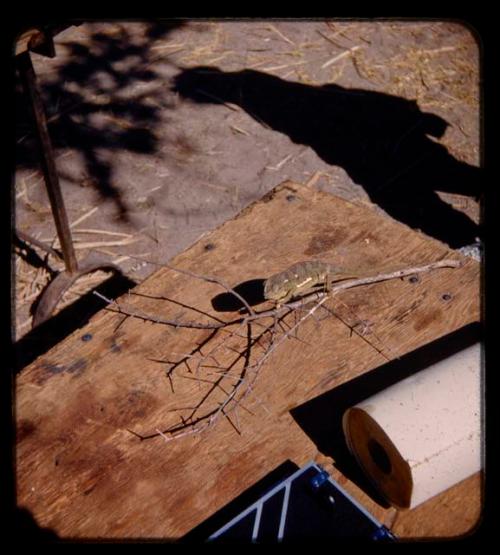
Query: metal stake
(55, 290)
(29, 80)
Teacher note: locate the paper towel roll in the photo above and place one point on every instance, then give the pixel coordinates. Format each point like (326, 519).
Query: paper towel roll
(423, 434)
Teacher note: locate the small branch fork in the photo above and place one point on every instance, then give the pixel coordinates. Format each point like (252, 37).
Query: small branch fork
(257, 334)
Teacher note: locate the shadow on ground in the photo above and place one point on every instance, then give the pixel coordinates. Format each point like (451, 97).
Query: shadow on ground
(384, 142)
(41, 338)
(27, 529)
(94, 105)
(252, 291)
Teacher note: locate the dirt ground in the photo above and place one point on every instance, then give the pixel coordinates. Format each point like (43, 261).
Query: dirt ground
(164, 130)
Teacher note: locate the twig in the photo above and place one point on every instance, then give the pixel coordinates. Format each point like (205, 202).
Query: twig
(239, 130)
(279, 165)
(164, 46)
(120, 308)
(164, 436)
(244, 362)
(438, 50)
(103, 232)
(330, 39)
(178, 303)
(284, 66)
(274, 311)
(29, 239)
(353, 329)
(230, 421)
(278, 32)
(120, 259)
(348, 284)
(340, 56)
(311, 182)
(219, 58)
(218, 281)
(84, 217)
(95, 244)
(24, 192)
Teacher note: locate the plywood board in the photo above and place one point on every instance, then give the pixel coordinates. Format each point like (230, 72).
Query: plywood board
(82, 473)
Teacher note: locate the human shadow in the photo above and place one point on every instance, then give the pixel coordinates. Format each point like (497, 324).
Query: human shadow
(105, 98)
(385, 143)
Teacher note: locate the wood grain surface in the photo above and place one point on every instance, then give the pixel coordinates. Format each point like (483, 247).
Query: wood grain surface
(83, 474)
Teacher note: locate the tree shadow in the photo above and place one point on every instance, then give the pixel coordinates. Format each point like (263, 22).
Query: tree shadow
(101, 100)
(385, 143)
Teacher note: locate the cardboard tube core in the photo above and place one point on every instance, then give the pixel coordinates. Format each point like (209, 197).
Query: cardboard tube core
(378, 457)
(421, 435)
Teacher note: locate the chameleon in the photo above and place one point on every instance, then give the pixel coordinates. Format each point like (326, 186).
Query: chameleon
(301, 278)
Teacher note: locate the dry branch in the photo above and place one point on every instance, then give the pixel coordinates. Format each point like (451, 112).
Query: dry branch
(278, 32)
(340, 56)
(262, 332)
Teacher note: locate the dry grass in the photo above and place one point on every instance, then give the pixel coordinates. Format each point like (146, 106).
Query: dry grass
(440, 79)
(31, 281)
(419, 74)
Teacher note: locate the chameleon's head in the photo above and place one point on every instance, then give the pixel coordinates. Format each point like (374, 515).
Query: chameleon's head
(274, 288)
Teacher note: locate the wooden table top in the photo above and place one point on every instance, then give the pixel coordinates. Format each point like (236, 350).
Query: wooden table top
(83, 474)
